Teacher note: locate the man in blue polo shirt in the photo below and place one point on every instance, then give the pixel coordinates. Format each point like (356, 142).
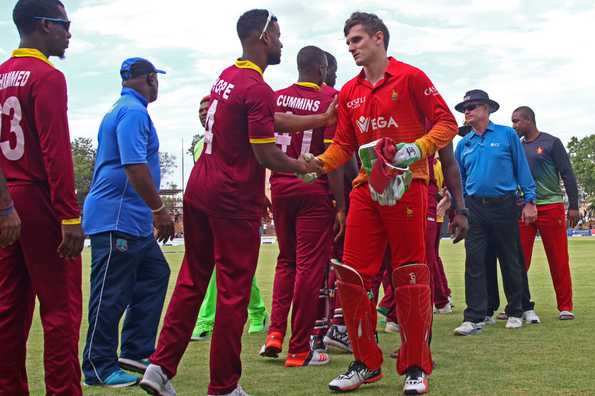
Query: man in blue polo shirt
(493, 165)
(128, 270)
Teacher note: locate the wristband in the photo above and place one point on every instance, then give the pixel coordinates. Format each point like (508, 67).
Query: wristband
(159, 209)
(5, 212)
(74, 221)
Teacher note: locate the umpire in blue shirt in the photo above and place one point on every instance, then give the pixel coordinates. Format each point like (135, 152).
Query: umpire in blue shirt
(128, 270)
(493, 165)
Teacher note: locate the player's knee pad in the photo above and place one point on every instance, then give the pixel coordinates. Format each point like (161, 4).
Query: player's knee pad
(357, 314)
(413, 298)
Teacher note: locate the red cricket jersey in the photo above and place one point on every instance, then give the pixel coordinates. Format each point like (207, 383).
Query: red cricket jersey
(34, 140)
(227, 181)
(398, 106)
(301, 99)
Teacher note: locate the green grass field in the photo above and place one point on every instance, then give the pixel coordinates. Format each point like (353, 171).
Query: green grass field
(554, 358)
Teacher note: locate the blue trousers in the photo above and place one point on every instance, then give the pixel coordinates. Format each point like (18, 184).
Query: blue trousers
(127, 274)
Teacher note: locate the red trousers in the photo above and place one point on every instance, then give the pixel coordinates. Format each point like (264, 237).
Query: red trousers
(304, 231)
(551, 224)
(371, 228)
(439, 284)
(32, 268)
(231, 246)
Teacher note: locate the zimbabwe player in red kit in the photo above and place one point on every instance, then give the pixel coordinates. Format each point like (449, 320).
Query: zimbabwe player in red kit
(387, 99)
(304, 217)
(223, 206)
(37, 161)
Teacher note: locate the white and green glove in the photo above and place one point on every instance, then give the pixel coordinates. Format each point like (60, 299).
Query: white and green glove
(394, 191)
(407, 154)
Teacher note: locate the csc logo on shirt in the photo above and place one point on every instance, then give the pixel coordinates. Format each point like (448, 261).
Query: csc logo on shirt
(430, 91)
(364, 123)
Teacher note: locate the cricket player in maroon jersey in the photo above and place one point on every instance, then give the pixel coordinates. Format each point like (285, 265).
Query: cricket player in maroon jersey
(304, 217)
(223, 207)
(387, 99)
(37, 161)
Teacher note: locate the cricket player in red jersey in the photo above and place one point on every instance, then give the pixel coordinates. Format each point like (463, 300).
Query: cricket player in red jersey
(304, 215)
(37, 161)
(223, 207)
(387, 99)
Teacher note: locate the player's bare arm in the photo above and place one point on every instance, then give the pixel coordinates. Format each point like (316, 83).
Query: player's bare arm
(140, 178)
(10, 223)
(452, 177)
(285, 122)
(271, 157)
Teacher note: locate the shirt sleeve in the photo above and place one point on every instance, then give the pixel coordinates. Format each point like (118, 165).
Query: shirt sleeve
(260, 103)
(344, 143)
(329, 130)
(563, 165)
(132, 133)
(459, 159)
(433, 108)
(50, 104)
(521, 167)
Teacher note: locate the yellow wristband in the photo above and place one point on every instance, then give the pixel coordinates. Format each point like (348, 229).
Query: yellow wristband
(76, 220)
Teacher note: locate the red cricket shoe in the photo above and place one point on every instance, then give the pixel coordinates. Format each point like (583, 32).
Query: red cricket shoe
(309, 358)
(273, 345)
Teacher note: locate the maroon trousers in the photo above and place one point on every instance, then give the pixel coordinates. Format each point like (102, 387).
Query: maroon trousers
(438, 282)
(304, 232)
(32, 268)
(231, 246)
(551, 224)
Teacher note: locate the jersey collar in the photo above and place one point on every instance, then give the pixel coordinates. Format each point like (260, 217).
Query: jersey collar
(246, 64)
(308, 85)
(30, 53)
(391, 70)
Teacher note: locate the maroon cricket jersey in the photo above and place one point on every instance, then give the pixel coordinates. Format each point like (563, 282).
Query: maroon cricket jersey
(301, 98)
(227, 181)
(34, 140)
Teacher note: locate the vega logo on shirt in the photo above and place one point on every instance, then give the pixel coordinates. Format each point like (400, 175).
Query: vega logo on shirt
(364, 123)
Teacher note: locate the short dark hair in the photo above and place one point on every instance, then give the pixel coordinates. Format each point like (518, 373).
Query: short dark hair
(371, 23)
(331, 60)
(25, 10)
(527, 113)
(310, 58)
(253, 21)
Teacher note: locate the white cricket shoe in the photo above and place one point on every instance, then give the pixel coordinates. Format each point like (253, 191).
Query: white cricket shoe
(531, 317)
(356, 375)
(155, 382)
(416, 382)
(236, 392)
(337, 337)
(566, 315)
(446, 309)
(469, 328)
(514, 323)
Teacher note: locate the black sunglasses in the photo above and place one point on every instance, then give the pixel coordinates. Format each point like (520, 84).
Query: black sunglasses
(471, 107)
(62, 22)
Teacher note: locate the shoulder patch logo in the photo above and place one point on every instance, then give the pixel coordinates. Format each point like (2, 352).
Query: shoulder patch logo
(539, 150)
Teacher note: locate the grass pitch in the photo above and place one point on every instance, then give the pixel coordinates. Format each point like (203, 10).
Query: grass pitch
(553, 358)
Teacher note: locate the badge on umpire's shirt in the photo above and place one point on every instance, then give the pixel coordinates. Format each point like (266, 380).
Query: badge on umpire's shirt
(121, 244)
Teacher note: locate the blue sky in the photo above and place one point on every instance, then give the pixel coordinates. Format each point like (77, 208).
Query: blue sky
(534, 52)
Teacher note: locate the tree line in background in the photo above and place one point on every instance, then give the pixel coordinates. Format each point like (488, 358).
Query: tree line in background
(581, 151)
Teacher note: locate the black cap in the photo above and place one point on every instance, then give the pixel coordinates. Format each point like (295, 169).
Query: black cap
(477, 96)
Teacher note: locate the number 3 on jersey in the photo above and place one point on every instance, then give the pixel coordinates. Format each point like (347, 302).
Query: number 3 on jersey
(210, 122)
(12, 107)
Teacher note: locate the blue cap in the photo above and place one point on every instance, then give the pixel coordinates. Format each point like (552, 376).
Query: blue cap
(134, 67)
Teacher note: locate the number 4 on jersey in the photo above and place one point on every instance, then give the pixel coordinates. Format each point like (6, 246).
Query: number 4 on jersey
(210, 122)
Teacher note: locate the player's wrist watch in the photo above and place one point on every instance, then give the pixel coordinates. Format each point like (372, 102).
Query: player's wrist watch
(462, 212)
